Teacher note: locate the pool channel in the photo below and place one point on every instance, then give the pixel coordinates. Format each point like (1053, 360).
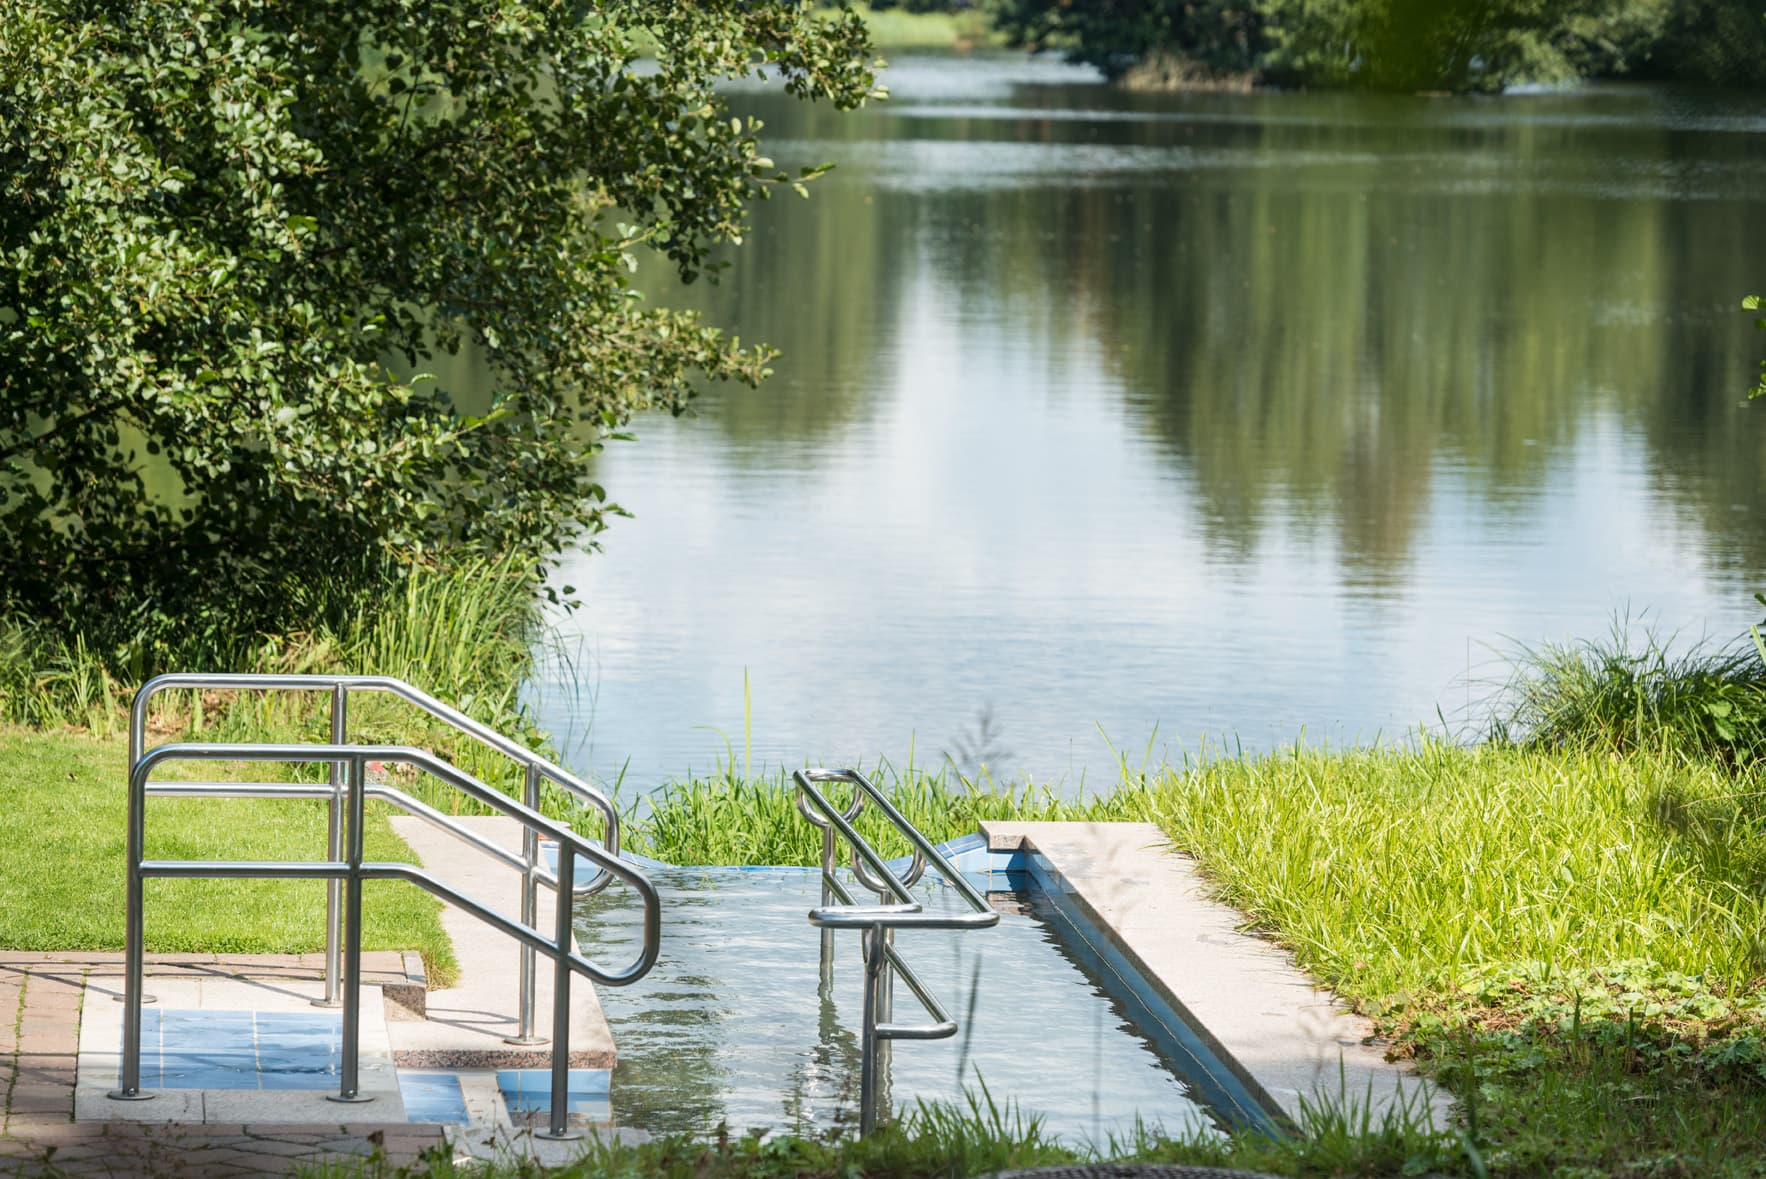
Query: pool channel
(736, 1027)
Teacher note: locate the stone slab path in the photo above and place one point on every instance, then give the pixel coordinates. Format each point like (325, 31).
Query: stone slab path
(41, 1000)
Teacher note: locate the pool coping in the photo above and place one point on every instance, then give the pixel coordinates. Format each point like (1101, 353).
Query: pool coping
(1289, 1042)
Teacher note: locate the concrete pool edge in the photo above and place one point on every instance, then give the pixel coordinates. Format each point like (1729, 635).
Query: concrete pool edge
(1286, 1040)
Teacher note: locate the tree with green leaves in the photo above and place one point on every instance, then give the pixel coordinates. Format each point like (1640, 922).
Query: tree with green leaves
(1217, 37)
(1398, 45)
(233, 232)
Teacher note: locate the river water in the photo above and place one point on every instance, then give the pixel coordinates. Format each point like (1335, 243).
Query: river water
(1109, 421)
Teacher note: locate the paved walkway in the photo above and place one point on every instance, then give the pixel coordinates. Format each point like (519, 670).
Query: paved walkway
(40, 1010)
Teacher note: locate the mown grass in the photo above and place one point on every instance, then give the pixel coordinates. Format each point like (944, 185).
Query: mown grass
(61, 880)
(1569, 937)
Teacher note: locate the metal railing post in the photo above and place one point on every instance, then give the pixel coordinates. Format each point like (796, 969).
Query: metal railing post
(530, 857)
(349, 1088)
(134, 936)
(875, 959)
(829, 857)
(334, 846)
(559, 1127)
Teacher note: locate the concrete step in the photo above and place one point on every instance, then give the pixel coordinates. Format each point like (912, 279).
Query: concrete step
(469, 1024)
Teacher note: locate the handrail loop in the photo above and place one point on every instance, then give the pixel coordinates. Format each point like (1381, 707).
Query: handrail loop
(349, 766)
(536, 772)
(895, 908)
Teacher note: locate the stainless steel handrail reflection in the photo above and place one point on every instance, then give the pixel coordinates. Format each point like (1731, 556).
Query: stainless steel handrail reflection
(351, 762)
(880, 920)
(536, 771)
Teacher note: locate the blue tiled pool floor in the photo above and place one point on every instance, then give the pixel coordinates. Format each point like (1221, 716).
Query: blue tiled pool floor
(433, 1098)
(240, 1049)
(527, 1095)
(205, 1049)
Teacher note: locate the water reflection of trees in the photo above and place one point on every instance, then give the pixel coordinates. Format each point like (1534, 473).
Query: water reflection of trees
(1317, 342)
(1313, 313)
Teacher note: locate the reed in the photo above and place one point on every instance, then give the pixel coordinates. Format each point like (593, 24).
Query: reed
(732, 819)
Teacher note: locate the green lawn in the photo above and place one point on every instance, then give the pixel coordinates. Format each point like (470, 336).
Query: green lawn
(61, 878)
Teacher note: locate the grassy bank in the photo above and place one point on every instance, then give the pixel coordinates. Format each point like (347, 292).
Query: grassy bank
(61, 881)
(895, 28)
(1570, 938)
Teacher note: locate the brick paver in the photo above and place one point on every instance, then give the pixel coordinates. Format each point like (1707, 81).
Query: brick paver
(40, 1004)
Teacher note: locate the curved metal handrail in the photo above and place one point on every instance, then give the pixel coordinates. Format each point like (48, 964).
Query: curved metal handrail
(410, 694)
(880, 921)
(352, 871)
(536, 771)
(318, 792)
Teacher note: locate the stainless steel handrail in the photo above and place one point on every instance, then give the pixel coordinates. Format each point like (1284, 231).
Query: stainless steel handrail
(350, 763)
(536, 771)
(880, 920)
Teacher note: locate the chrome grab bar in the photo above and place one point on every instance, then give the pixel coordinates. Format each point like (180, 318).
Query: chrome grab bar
(880, 920)
(350, 767)
(536, 770)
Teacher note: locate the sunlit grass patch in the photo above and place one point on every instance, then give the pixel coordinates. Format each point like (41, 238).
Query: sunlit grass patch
(61, 880)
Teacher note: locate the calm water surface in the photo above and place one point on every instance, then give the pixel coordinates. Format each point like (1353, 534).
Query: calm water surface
(735, 1026)
(1105, 419)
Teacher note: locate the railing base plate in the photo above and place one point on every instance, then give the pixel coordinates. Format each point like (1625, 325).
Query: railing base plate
(125, 1095)
(567, 1136)
(357, 1099)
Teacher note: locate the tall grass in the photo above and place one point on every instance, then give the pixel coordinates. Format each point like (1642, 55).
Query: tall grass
(466, 634)
(1635, 689)
(957, 1141)
(1405, 868)
(731, 819)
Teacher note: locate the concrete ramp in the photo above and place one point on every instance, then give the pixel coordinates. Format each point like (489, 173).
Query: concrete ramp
(469, 1024)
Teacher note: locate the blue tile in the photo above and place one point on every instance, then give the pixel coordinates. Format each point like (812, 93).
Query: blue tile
(528, 1089)
(433, 1098)
(313, 1080)
(299, 1023)
(297, 1048)
(246, 1062)
(209, 1074)
(207, 1023)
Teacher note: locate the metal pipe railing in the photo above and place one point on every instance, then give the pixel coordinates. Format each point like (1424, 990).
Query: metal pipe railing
(351, 871)
(880, 921)
(536, 771)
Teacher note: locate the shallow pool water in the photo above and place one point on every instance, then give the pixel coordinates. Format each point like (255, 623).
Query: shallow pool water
(733, 1025)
